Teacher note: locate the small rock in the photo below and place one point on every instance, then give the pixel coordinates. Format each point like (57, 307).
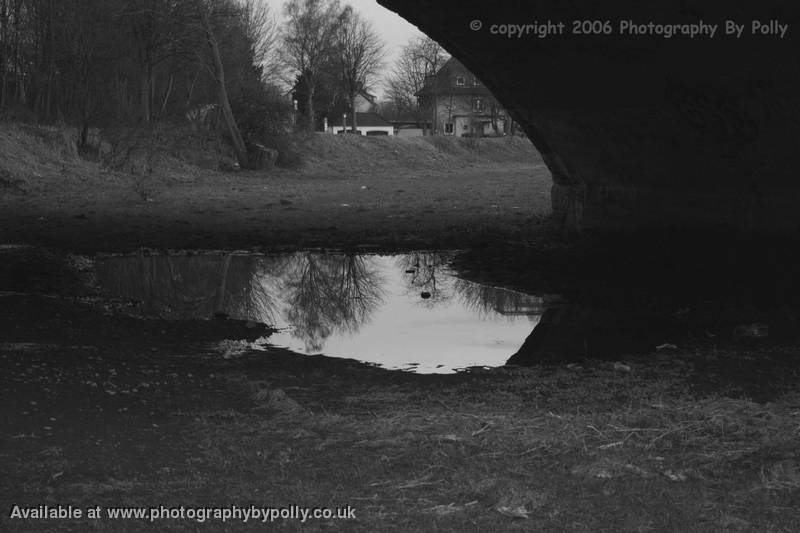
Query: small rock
(425, 295)
(674, 476)
(514, 512)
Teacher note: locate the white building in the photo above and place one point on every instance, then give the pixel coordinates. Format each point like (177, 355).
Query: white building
(366, 124)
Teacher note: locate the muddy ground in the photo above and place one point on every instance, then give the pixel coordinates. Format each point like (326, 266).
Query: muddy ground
(103, 409)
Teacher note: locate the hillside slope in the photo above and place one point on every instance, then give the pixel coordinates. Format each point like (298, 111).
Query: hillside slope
(33, 157)
(353, 153)
(158, 190)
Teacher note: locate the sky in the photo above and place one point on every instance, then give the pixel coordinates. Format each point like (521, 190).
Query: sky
(392, 28)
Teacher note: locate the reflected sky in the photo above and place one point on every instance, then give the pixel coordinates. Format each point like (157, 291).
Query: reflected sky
(406, 311)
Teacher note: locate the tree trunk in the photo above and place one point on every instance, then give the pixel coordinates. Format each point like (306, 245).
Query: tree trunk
(167, 94)
(310, 118)
(3, 51)
(222, 91)
(20, 86)
(144, 89)
(355, 115)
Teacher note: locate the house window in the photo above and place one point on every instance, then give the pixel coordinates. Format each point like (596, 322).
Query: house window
(477, 104)
(460, 81)
(475, 81)
(448, 128)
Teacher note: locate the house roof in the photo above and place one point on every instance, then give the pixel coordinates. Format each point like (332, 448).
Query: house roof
(369, 97)
(443, 82)
(372, 120)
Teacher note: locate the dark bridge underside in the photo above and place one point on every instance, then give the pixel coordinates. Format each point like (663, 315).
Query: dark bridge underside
(644, 132)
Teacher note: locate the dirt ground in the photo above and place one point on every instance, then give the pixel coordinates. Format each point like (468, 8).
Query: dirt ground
(391, 193)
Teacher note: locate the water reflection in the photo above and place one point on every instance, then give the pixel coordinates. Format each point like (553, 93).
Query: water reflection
(329, 293)
(389, 310)
(486, 300)
(428, 274)
(195, 286)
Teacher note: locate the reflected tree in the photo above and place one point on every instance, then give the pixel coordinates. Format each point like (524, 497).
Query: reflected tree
(487, 300)
(253, 287)
(327, 294)
(183, 287)
(428, 272)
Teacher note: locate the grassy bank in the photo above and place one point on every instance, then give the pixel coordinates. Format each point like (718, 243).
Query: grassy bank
(165, 191)
(598, 447)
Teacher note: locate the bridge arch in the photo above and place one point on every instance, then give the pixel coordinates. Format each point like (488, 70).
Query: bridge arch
(641, 130)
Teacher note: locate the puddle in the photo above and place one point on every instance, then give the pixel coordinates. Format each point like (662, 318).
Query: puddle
(408, 311)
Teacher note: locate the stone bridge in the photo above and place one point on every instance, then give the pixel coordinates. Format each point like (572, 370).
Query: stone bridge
(640, 130)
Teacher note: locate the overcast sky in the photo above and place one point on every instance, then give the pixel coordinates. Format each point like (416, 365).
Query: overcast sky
(392, 28)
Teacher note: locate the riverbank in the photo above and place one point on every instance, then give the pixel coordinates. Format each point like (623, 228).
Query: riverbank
(349, 192)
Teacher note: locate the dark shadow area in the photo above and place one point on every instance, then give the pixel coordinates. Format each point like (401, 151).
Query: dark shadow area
(632, 294)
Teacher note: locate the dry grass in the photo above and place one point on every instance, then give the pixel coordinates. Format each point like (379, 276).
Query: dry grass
(595, 447)
(490, 453)
(155, 192)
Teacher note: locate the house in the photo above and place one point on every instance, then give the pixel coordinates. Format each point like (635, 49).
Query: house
(328, 103)
(409, 128)
(365, 102)
(459, 104)
(366, 123)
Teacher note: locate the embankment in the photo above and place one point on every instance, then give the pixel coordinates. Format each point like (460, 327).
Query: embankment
(140, 188)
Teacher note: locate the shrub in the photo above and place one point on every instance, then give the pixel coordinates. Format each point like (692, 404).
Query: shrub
(289, 151)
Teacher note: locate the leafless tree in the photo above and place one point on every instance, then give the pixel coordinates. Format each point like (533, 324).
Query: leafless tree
(327, 294)
(261, 31)
(308, 39)
(420, 59)
(152, 27)
(203, 10)
(428, 272)
(486, 300)
(361, 53)
(104, 61)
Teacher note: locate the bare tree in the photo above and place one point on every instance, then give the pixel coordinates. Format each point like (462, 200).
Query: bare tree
(308, 40)
(420, 59)
(361, 53)
(96, 62)
(222, 90)
(5, 33)
(155, 28)
(328, 294)
(261, 31)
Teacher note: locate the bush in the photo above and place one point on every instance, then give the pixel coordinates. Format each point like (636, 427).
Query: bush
(261, 113)
(289, 151)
